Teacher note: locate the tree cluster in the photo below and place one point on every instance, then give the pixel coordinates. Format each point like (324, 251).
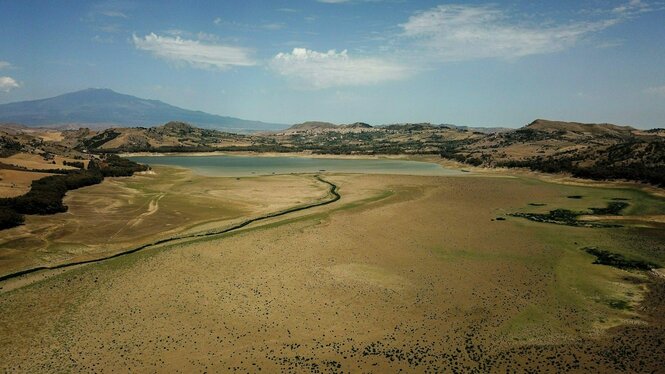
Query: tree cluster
(9, 146)
(115, 166)
(76, 164)
(46, 194)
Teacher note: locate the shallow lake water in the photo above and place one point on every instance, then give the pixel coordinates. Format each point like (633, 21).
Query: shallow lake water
(239, 166)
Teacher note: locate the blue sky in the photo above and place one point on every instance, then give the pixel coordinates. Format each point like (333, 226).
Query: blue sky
(477, 63)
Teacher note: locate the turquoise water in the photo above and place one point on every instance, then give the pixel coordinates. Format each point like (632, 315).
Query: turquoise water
(238, 166)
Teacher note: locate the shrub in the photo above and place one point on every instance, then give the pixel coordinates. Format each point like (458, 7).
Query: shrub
(76, 164)
(9, 218)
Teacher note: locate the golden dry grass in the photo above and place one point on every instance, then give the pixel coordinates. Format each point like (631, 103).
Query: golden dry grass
(123, 213)
(16, 182)
(37, 162)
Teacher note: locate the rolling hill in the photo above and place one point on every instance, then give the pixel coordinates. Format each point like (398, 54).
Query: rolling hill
(596, 151)
(316, 127)
(587, 150)
(104, 107)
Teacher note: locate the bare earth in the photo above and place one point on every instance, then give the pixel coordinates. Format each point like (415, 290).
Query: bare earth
(404, 272)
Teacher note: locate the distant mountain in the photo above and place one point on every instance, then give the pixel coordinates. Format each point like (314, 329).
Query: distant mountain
(581, 129)
(171, 136)
(312, 127)
(357, 125)
(412, 126)
(95, 107)
(484, 130)
(320, 127)
(427, 125)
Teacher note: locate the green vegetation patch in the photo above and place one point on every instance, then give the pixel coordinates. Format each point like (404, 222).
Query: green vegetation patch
(614, 208)
(9, 146)
(76, 164)
(619, 304)
(9, 218)
(569, 217)
(639, 161)
(604, 257)
(99, 139)
(562, 217)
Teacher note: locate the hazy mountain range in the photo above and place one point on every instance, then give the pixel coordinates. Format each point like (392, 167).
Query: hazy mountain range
(107, 108)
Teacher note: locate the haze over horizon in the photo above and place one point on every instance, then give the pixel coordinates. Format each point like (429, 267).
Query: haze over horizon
(475, 63)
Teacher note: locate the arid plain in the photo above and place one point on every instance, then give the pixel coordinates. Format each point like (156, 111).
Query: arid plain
(403, 272)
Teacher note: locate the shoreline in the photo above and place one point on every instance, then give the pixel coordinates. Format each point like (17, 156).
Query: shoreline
(283, 164)
(564, 179)
(268, 155)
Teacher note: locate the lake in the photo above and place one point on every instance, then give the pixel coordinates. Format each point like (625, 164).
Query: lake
(240, 166)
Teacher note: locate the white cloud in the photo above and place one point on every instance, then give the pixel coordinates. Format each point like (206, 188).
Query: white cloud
(5, 65)
(351, 1)
(102, 39)
(196, 53)
(273, 26)
(109, 16)
(111, 9)
(176, 32)
(461, 32)
(317, 70)
(632, 7)
(207, 37)
(8, 83)
(610, 44)
(112, 13)
(658, 90)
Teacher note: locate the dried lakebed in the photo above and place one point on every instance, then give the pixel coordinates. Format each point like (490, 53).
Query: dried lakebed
(409, 273)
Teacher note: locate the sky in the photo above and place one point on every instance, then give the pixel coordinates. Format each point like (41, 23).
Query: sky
(474, 63)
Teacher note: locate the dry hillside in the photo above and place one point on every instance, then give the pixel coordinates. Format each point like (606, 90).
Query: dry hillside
(598, 151)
